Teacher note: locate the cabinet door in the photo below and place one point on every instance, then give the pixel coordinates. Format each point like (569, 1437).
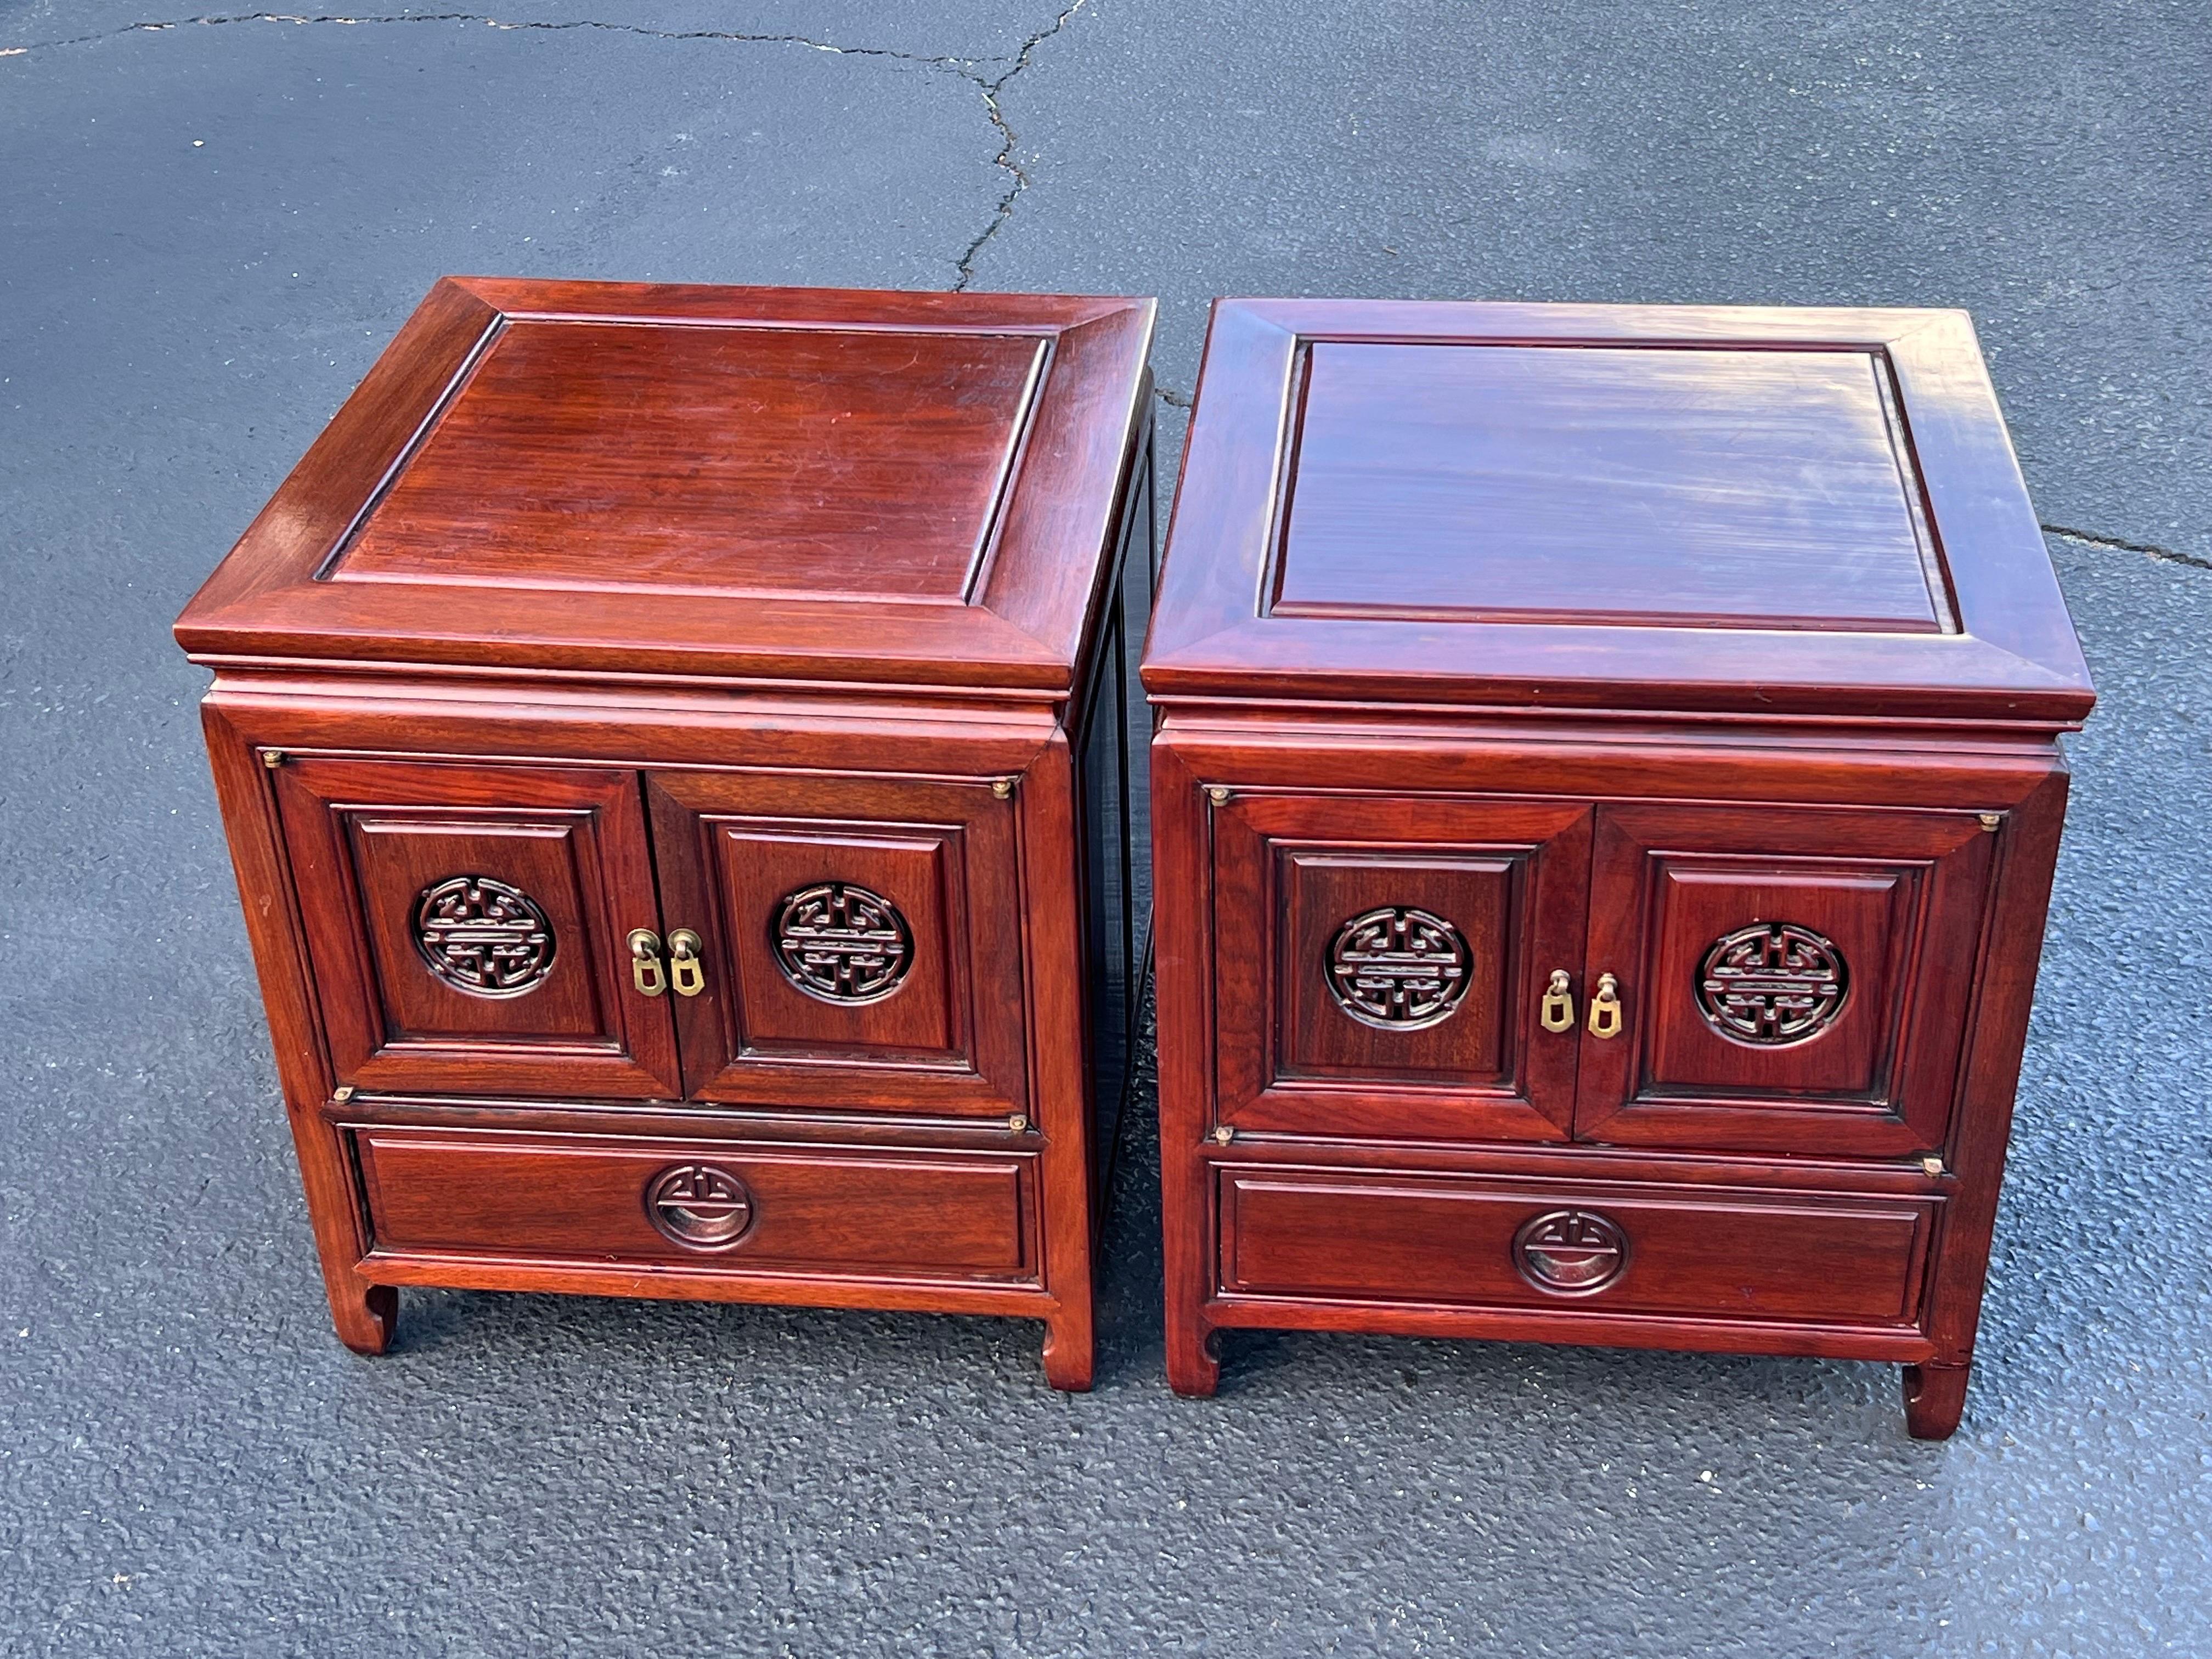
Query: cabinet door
(1792, 980)
(860, 940)
(1379, 963)
(467, 926)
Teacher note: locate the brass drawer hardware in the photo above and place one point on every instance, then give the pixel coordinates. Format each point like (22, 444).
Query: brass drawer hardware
(685, 967)
(1558, 1013)
(645, 969)
(1605, 1008)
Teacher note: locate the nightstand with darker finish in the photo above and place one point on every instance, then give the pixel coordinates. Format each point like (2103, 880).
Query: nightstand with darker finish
(673, 742)
(1606, 790)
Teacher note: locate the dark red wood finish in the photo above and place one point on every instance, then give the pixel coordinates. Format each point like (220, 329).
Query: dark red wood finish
(647, 726)
(1605, 798)
(1748, 1258)
(692, 493)
(373, 834)
(731, 846)
(1595, 546)
(535, 1202)
(1511, 876)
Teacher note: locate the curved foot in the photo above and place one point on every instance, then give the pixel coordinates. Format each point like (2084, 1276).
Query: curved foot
(1935, 1399)
(1193, 1361)
(1068, 1355)
(367, 1318)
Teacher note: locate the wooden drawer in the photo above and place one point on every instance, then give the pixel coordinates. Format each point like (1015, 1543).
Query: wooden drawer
(1580, 1250)
(732, 1208)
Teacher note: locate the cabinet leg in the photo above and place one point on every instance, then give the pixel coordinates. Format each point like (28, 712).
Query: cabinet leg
(1935, 1398)
(367, 1315)
(1069, 1352)
(1193, 1358)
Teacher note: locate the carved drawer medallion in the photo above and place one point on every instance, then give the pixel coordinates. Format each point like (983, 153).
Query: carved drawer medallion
(699, 1206)
(1570, 1252)
(1398, 967)
(1773, 983)
(483, 936)
(843, 943)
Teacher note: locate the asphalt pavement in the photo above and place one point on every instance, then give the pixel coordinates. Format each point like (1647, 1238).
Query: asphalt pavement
(208, 229)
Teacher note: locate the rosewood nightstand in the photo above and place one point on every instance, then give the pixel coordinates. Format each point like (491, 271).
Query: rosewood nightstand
(674, 747)
(1605, 791)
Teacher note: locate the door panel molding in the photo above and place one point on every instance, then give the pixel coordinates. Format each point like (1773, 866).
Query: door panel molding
(1792, 979)
(466, 924)
(846, 929)
(1380, 960)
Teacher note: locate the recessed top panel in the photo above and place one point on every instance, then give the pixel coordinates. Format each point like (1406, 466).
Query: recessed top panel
(702, 459)
(1638, 485)
(1777, 512)
(760, 485)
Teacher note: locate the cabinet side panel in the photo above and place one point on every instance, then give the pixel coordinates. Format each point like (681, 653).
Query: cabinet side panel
(1115, 921)
(363, 1314)
(1996, 1039)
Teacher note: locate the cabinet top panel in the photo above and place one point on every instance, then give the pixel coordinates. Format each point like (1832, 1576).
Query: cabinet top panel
(753, 483)
(1639, 507)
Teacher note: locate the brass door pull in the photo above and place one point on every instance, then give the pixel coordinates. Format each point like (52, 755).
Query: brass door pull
(1605, 1008)
(1559, 1011)
(645, 969)
(685, 965)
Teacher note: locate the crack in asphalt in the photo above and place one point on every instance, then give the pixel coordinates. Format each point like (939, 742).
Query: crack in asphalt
(967, 69)
(215, 18)
(1004, 159)
(2114, 544)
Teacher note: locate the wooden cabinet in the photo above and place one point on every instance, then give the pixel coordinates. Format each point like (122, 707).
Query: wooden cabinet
(1606, 790)
(674, 742)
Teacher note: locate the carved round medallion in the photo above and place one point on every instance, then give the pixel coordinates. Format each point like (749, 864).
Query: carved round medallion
(699, 1206)
(483, 936)
(1398, 967)
(1772, 983)
(843, 943)
(1570, 1252)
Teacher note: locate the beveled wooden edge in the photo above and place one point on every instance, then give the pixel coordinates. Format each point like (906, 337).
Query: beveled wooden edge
(552, 300)
(373, 429)
(2018, 659)
(1092, 416)
(1033, 601)
(1978, 502)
